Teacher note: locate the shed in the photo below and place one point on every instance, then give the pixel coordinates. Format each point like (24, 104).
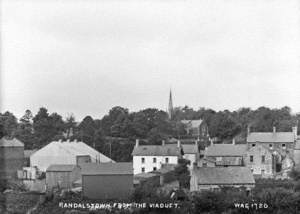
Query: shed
(62, 176)
(107, 180)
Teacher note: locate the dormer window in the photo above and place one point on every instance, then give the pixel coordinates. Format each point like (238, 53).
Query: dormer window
(143, 160)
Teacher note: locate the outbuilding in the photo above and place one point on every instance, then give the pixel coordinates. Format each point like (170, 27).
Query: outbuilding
(62, 176)
(107, 180)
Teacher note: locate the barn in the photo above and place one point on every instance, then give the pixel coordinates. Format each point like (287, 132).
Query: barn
(66, 152)
(11, 158)
(62, 176)
(107, 180)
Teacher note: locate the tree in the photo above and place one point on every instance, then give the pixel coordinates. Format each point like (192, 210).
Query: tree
(9, 124)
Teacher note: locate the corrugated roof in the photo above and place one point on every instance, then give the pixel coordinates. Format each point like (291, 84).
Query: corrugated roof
(190, 149)
(226, 150)
(121, 168)
(224, 175)
(270, 137)
(61, 168)
(192, 123)
(5, 142)
(157, 150)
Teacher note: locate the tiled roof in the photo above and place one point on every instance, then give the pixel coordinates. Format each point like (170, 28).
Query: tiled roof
(192, 123)
(5, 142)
(157, 150)
(190, 149)
(226, 150)
(120, 168)
(270, 137)
(61, 168)
(224, 175)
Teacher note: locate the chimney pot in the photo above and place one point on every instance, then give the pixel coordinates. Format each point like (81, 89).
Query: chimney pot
(274, 129)
(178, 143)
(233, 141)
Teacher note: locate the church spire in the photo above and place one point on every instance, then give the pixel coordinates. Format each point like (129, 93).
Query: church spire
(170, 107)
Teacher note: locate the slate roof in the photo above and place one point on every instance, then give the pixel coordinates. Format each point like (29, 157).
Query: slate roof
(61, 168)
(192, 123)
(120, 168)
(157, 150)
(224, 175)
(270, 137)
(190, 148)
(226, 150)
(5, 142)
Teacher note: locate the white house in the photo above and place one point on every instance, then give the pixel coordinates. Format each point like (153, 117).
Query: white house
(191, 153)
(66, 152)
(148, 158)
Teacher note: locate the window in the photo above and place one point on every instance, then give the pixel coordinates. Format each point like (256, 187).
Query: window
(271, 146)
(167, 160)
(204, 164)
(253, 144)
(154, 160)
(263, 158)
(262, 171)
(252, 170)
(251, 158)
(143, 160)
(154, 168)
(143, 169)
(283, 146)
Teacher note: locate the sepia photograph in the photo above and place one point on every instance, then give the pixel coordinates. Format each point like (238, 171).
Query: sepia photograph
(149, 106)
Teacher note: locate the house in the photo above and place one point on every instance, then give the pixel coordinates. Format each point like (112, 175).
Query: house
(282, 142)
(147, 158)
(62, 176)
(11, 158)
(107, 180)
(225, 154)
(66, 152)
(210, 178)
(196, 128)
(261, 160)
(191, 153)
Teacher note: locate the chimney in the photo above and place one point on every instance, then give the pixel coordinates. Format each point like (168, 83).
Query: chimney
(233, 141)
(137, 142)
(178, 143)
(211, 142)
(274, 129)
(163, 142)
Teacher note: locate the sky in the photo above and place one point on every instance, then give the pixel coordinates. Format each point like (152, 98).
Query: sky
(85, 57)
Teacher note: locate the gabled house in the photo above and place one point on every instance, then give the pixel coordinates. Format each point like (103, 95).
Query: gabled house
(282, 142)
(225, 154)
(148, 158)
(211, 178)
(196, 128)
(191, 153)
(261, 160)
(66, 152)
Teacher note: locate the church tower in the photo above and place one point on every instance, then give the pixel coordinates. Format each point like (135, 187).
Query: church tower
(170, 107)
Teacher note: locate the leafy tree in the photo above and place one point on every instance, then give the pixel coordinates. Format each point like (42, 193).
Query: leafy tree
(9, 124)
